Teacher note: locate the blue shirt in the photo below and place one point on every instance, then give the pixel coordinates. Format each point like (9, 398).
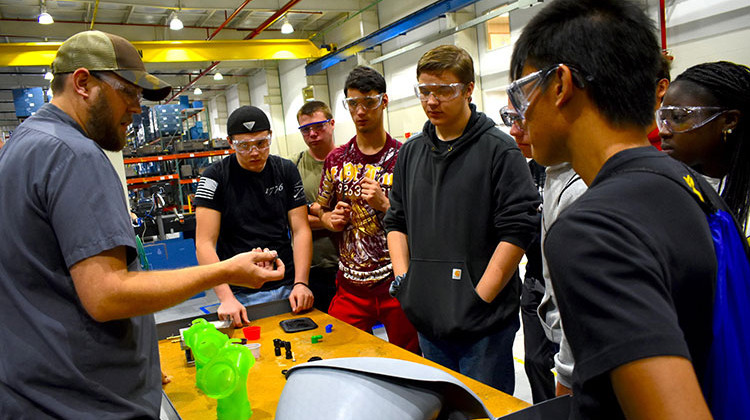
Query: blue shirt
(62, 202)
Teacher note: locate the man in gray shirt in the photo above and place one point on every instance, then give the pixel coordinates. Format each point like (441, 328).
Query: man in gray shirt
(77, 338)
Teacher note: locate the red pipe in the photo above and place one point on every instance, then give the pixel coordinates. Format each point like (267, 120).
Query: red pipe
(270, 21)
(663, 24)
(210, 37)
(186, 87)
(263, 26)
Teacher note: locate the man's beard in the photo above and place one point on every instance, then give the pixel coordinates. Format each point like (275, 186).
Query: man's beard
(99, 126)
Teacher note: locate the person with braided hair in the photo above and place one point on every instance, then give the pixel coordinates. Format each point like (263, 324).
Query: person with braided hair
(703, 122)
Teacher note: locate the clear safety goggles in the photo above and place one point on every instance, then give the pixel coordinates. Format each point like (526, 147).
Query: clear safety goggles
(262, 144)
(510, 117)
(316, 126)
(440, 91)
(367, 102)
(522, 91)
(681, 119)
(131, 93)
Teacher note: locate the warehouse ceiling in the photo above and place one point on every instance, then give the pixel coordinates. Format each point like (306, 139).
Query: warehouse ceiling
(148, 20)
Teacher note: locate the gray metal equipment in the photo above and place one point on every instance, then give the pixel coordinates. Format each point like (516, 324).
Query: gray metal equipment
(375, 388)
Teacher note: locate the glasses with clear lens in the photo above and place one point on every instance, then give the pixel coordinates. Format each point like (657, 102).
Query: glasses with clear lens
(441, 92)
(681, 119)
(510, 117)
(314, 126)
(260, 145)
(522, 91)
(131, 93)
(367, 102)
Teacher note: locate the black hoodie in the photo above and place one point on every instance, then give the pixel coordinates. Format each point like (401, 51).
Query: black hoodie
(455, 203)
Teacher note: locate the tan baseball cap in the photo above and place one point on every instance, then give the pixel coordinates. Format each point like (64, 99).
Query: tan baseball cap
(100, 51)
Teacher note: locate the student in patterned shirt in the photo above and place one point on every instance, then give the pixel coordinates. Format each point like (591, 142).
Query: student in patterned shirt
(353, 196)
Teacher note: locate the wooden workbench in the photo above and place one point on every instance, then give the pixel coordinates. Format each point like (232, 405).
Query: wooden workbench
(265, 380)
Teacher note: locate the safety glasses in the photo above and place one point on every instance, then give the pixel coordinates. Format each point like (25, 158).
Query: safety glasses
(440, 91)
(510, 117)
(317, 126)
(130, 92)
(522, 91)
(367, 102)
(261, 145)
(681, 119)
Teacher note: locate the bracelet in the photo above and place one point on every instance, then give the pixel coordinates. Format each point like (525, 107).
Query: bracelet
(304, 284)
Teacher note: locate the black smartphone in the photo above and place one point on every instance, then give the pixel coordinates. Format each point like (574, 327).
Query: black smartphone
(298, 324)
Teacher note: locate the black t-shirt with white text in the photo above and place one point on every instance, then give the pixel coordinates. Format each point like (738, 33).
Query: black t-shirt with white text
(254, 208)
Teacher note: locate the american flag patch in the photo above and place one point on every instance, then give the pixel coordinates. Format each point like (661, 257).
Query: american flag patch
(206, 189)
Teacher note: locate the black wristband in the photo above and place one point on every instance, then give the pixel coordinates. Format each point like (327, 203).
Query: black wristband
(304, 284)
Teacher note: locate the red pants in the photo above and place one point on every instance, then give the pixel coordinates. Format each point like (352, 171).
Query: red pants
(365, 312)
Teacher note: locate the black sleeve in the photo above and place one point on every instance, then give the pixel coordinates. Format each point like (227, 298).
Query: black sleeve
(210, 191)
(516, 199)
(395, 217)
(612, 291)
(295, 190)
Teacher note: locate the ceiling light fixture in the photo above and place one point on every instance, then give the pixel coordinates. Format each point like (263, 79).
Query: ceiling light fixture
(218, 76)
(287, 27)
(44, 17)
(48, 75)
(198, 91)
(175, 24)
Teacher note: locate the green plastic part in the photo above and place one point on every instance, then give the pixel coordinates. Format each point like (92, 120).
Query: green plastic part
(225, 379)
(204, 341)
(316, 338)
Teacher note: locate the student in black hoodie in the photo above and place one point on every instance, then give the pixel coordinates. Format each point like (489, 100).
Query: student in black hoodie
(463, 210)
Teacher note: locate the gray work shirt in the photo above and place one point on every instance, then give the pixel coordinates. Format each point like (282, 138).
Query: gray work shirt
(61, 202)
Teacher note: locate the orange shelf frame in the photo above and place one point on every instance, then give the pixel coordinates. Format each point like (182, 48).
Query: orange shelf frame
(186, 155)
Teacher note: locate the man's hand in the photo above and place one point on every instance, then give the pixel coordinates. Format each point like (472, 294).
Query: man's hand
(252, 269)
(231, 307)
(374, 195)
(340, 216)
(268, 265)
(301, 298)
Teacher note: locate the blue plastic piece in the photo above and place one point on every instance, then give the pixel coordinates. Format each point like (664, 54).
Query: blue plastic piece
(329, 328)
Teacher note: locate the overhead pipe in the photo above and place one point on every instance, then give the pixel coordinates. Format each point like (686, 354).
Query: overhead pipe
(93, 18)
(350, 17)
(663, 24)
(386, 33)
(252, 35)
(263, 26)
(271, 20)
(227, 20)
(458, 28)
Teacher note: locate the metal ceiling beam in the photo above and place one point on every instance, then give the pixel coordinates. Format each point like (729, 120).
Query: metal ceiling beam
(386, 33)
(129, 15)
(458, 28)
(42, 53)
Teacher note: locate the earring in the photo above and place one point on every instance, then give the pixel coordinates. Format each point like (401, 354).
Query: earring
(727, 131)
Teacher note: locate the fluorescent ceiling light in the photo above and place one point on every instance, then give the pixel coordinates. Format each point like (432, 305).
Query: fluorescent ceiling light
(45, 18)
(48, 75)
(287, 27)
(218, 76)
(198, 91)
(175, 24)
